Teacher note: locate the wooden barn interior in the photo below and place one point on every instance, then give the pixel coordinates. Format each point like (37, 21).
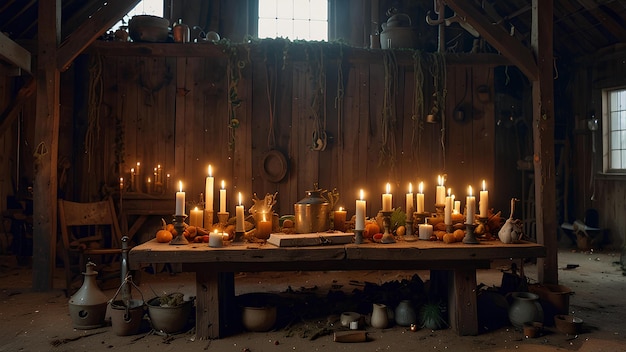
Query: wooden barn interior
(519, 105)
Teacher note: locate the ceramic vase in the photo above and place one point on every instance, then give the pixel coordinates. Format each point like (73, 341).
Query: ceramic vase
(89, 304)
(405, 314)
(380, 318)
(525, 308)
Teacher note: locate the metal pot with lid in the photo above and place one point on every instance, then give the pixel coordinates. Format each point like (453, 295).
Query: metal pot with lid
(312, 213)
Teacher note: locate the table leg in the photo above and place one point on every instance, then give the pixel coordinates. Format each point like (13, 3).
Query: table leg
(215, 293)
(462, 308)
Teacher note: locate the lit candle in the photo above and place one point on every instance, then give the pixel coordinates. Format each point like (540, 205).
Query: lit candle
(441, 191)
(425, 230)
(359, 224)
(457, 206)
(159, 175)
(149, 185)
(447, 219)
(339, 220)
(483, 204)
(409, 200)
(121, 183)
(387, 199)
(420, 199)
(471, 207)
(180, 200)
(223, 198)
(264, 227)
(240, 216)
(216, 239)
(137, 169)
(208, 191)
(196, 217)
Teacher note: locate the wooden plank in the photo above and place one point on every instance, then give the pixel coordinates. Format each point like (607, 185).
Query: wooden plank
(309, 239)
(46, 147)
(15, 105)
(13, 53)
(519, 55)
(543, 141)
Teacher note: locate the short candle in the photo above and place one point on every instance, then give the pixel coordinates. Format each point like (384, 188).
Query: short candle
(483, 204)
(359, 224)
(420, 199)
(180, 200)
(387, 199)
(240, 216)
(471, 207)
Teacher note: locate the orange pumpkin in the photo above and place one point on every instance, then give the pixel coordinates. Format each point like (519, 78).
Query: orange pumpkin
(163, 235)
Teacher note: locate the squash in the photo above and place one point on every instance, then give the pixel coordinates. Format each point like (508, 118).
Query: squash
(163, 235)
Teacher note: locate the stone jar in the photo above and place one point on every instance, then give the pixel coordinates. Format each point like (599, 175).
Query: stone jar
(380, 318)
(524, 308)
(404, 314)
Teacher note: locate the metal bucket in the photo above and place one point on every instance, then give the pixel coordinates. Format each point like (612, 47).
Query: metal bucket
(170, 320)
(126, 318)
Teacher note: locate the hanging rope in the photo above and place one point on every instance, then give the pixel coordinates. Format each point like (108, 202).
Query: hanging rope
(439, 74)
(388, 114)
(418, 106)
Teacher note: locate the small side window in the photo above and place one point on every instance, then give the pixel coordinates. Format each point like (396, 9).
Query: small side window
(614, 130)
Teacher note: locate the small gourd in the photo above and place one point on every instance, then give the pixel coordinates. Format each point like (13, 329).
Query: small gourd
(164, 235)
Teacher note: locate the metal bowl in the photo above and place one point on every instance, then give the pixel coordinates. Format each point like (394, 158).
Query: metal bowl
(147, 28)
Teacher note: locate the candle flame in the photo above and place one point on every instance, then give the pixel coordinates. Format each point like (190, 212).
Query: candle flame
(362, 195)
(470, 191)
(210, 173)
(484, 186)
(340, 208)
(180, 185)
(449, 191)
(440, 180)
(215, 231)
(223, 184)
(421, 187)
(150, 181)
(239, 198)
(388, 188)
(410, 187)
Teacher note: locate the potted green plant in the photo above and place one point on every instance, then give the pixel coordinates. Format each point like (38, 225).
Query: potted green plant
(431, 316)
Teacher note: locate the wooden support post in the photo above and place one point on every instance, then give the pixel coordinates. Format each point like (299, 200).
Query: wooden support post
(46, 146)
(215, 295)
(462, 307)
(543, 137)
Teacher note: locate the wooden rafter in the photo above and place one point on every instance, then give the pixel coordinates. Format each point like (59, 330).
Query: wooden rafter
(607, 21)
(13, 53)
(497, 36)
(92, 28)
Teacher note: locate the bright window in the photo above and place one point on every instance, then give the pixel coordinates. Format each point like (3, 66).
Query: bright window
(293, 19)
(615, 130)
(144, 7)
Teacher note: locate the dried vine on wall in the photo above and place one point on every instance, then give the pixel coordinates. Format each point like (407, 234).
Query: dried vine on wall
(95, 102)
(418, 106)
(387, 155)
(438, 71)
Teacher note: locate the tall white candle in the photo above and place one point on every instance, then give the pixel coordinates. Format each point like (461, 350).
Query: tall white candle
(441, 191)
(484, 201)
(471, 207)
(420, 199)
(387, 199)
(360, 213)
(447, 219)
(240, 216)
(196, 217)
(409, 201)
(208, 191)
(180, 200)
(223, 198)
(457, 206)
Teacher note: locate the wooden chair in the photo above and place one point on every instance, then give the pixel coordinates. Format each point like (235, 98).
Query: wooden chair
(89, 231)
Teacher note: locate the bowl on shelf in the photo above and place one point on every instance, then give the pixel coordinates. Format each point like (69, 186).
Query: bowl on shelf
(568, 324)
(147, 28)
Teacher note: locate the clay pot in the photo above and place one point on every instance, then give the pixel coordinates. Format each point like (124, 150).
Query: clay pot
(524, 308)
(568, 324)
(169, 319)
(404, 314)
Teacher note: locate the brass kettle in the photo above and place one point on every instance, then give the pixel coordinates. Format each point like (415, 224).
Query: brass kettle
(312, 213)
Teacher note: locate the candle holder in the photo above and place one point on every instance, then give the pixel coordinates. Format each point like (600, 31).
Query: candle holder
(440, 209)
(387, 236)
(419, 218)
(358, 236)
(179, 226)
(222, 217)
(239, 236)
(409, 236)
(469, 234)
(208, 218)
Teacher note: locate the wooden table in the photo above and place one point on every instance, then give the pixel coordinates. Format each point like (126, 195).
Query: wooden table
(215, 268)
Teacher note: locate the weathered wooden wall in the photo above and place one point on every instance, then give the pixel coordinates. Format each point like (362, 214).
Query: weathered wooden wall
(173, 111)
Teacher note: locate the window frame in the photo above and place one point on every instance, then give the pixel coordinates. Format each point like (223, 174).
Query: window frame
(606, 132)
(255, 16)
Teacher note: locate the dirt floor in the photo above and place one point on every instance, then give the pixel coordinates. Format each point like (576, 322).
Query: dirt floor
(32, 321)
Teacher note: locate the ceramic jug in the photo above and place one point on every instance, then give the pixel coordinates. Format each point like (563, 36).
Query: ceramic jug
(525, 308)
(380, 318)
(89, 304)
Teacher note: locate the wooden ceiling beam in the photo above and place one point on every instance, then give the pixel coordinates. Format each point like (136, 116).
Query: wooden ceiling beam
(498, 37)
(607, 21)
(13, 53)
(91, 29)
